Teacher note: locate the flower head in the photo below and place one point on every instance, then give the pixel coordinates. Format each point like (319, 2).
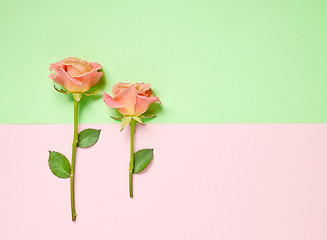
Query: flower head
(75, 75)
(131, 100)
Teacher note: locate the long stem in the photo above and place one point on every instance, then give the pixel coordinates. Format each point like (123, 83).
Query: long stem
(73, 160)
(131, 163)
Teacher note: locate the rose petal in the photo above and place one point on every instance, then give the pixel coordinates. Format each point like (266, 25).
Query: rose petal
(68, 82)
(54, 67)
(56, 79)
(52, 76)
(95, 81)
(89, 79)
(74, 72)
(119, 87)
(149, 93)
(145, 89)
(143, 86)
(143, 103)
(77, 67)
(95, 65)
(110, 102)
(127, 98)
(70, 59)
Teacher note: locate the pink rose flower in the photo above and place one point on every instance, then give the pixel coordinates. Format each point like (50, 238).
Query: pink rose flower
(131, 99)
(75, 75)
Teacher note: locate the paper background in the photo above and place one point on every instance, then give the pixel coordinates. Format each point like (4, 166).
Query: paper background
(218, 181)
(209, 61)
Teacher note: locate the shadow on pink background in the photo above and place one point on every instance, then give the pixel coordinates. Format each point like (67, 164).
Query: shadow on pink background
(214, 181)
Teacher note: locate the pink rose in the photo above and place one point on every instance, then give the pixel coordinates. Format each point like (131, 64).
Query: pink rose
(131, 99)
(75, 75)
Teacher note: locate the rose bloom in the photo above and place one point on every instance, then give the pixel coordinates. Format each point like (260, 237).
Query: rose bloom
(75, 75)
(131, 99)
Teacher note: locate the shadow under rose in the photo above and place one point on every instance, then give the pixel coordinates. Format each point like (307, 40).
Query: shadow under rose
(154, 109)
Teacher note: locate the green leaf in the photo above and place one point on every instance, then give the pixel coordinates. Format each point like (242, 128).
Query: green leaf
(88, 137)
(142, 158)
(59, 165)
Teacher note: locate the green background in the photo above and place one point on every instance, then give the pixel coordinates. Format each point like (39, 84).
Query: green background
(209, 61)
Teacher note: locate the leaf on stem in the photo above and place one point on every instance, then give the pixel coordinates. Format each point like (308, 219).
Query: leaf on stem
(59, 164)
(142, 158)
(88, 137)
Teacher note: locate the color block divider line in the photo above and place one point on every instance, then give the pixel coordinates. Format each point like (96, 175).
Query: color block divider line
(207, 181)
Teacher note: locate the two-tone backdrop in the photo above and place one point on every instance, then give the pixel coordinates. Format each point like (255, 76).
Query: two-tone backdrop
(240, 140)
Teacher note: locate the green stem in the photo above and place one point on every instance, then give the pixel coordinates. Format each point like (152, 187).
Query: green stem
(131, 163)
(73, 160)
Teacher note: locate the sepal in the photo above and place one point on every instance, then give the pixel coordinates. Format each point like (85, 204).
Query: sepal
(77, 96)
(117, 118)
(92, 93)
(125, 122)
(137, 119)
(60, 90)
(148, 116)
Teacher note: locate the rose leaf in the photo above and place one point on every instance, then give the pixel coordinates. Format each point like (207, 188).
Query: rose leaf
(142, 158)
(59, 165)
(88, 137)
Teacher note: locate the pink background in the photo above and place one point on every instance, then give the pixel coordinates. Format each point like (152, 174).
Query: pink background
(214, 181)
